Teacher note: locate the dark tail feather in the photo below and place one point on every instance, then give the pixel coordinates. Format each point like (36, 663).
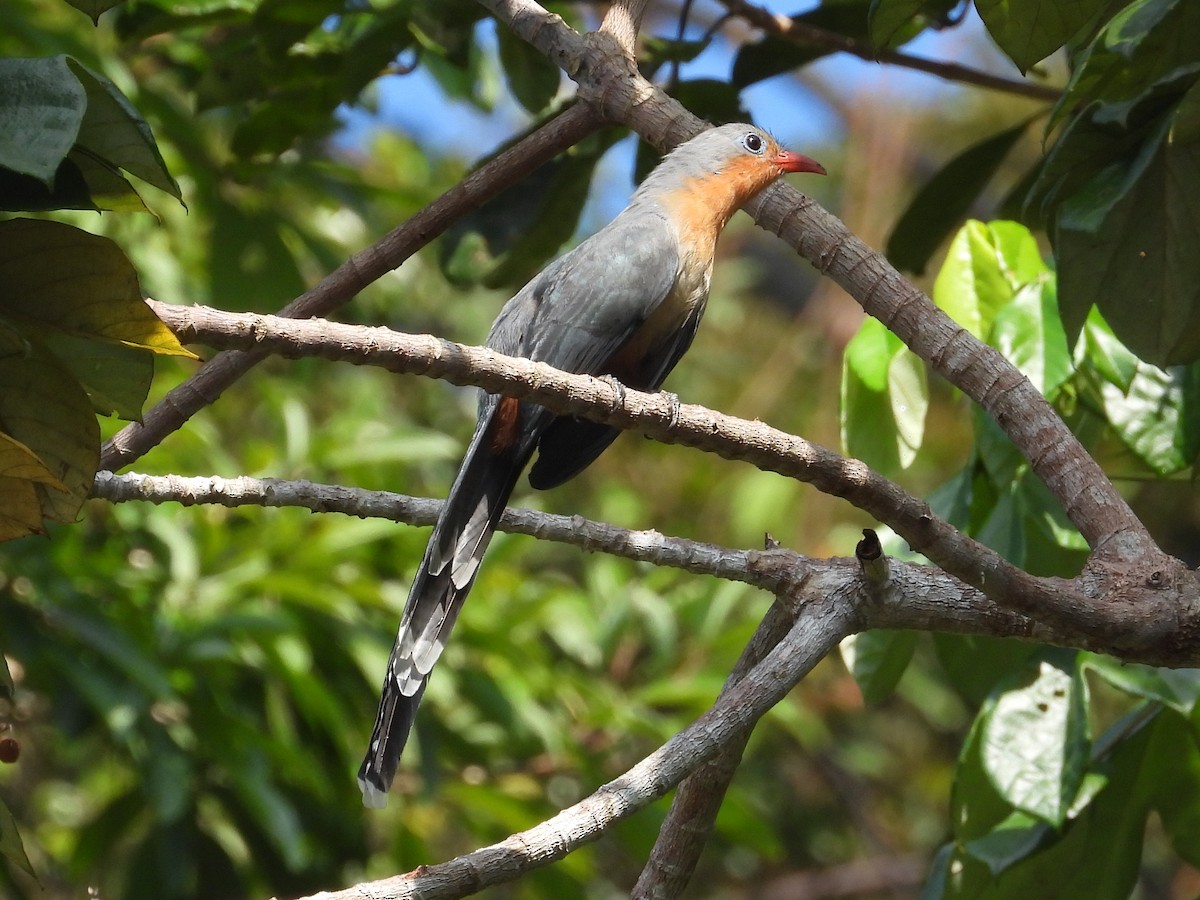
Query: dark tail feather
(494, 460)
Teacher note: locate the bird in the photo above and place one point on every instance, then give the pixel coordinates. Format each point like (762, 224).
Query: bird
(624, 303)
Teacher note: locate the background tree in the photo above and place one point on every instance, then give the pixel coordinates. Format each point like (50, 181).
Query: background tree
(190, 689)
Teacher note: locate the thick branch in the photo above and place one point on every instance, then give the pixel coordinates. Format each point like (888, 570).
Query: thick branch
(693, 812)
(1076, 480)
(661, 416)
(342, 284)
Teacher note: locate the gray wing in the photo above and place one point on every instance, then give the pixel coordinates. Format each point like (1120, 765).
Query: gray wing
(583, 307)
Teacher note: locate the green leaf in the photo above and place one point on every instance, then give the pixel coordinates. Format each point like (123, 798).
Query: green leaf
(1103, 352)
(972, 285)
(877, 659)
(893, 22)
(93, 9)
(532, 78)
(63, 278)
(1030, 30)
(884, 399)
(6, 681)
(945, 199)
(1096, 854)
(117, 377)
(1124, 242)
(976, 807)
(1035, 745)
(1153, 417)
(1030, 335)
(774, 55)
(1178, 689)
(1177, 787)
(11, 845)
(1009, 842)
(1003, 528)
(43, 408)
(114, 132)
(975, 663)
(42, 106)
(1144, 56)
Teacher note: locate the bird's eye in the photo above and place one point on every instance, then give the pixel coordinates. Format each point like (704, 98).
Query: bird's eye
(753, 142)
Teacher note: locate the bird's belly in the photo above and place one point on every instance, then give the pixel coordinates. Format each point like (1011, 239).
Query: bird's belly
(659, 329)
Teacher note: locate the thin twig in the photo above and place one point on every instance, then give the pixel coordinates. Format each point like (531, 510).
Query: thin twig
(819, 624)
(810, 35)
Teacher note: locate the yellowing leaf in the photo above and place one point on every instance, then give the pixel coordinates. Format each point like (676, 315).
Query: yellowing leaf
(19, 462)
(66, 279)
(43, 409)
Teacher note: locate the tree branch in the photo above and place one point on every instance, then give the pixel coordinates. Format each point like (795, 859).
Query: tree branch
(1133, 629)
(342, 284)
(1125, 562)
(822, 619)
(811, 36)
(693, 812)
(621, 94)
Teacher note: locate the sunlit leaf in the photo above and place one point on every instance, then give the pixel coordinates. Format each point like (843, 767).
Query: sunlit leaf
(884, 399)
(1035, 743)
(972, 285)
(1030, 334)
(1155, 416)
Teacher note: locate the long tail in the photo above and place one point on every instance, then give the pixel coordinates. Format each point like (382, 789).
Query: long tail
(494, 460)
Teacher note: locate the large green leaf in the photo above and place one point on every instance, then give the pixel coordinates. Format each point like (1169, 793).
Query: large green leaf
(1145, 55)
(884, 399)
(61, 277)
(115, 132)
(1035, 743)
(972, 285)
(1156, 415)
(42, 105)
(1029, 333)
(945, 199)
(1133, 256)
(1030, 30)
